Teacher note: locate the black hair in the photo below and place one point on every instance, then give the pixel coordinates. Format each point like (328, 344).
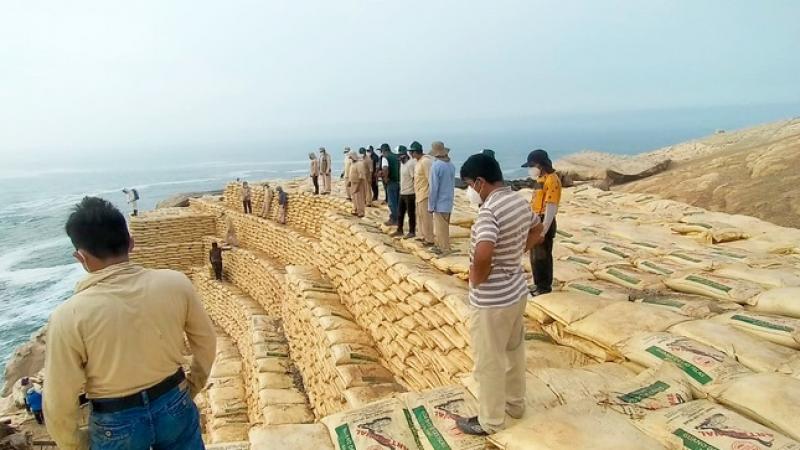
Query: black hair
(482, 165)
(213, 244)
(98, 227)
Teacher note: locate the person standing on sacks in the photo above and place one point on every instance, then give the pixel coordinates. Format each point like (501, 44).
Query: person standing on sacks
(442, 193)
(544, 203)
(422, 172)
(356, 184)
(503, 231)
(325, 170)
(368, 165)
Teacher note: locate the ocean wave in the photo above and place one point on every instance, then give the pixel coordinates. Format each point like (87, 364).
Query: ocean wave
(170, 183)
(27, 252)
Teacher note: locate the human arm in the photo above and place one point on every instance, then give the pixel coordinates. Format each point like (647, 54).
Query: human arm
(481, 263)
(433, 182)
(202, 341)
(64, 366)
(550, 211)
(535, 235)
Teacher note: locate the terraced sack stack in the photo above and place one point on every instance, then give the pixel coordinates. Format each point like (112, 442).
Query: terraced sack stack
(337, 359)
(170, 238)
(225, 414)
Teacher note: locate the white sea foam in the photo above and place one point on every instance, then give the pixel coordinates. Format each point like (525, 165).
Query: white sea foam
(26, 252)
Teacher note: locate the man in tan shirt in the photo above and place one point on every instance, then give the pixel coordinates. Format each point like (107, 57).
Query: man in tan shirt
(356, 180)
(313, 171)
(422, 173)
(368, 165)
(122, 339)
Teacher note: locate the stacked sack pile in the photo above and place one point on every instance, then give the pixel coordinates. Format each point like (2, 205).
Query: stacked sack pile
(284, 244)
(304, 212)
(337, 359)
(271, 392)
(255, 273)
(224, 410)
(170, 238)
(415, 314)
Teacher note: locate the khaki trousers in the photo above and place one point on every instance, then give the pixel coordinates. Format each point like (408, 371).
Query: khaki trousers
(425, 221)
(498, 347)
(367, 194)
(357, 194)
(282, 214)
(326, 183)
(267, 208)
(441, 225)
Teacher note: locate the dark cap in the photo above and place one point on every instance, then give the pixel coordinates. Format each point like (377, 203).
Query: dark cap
(415, 147)
(540, 157)
(402, 150)
(385, 147)
(362, 150)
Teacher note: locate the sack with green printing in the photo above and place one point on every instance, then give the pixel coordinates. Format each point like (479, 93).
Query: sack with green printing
(774, 278)
(385, 424)
(570, 306)
(580, 425)
(707, 369)
(691, 259)
(714, 286)
(694, 306)
(660, 387)
(778, 329)
(771, 399)
(598, 289)
(703, 425)
(663, 267)
(435, 413)
(784, 301)
(752, 351)
(629, 277)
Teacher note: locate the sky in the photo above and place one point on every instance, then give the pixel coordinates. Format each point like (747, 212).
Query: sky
(85, 76)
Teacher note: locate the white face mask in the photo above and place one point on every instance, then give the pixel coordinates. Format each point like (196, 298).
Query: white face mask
(473, 196)
(534, 172)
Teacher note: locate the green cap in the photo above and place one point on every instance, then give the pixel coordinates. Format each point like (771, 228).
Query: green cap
(416, 147)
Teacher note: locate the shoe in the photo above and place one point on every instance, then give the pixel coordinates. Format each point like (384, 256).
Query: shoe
(390, 223)
(537, 292)
(397, 233)
(410, 236)
(471, 426)
(515, 412)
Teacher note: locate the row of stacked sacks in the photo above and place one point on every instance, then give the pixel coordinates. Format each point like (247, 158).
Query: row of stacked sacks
(416, 314)
(340, 366)
(305, 210)
(181, 256)
(170, 226)
(223, 410)
(280, 242)
(255, 273)
(273, 392)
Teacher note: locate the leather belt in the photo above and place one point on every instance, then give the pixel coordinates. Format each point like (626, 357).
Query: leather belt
(110, 405)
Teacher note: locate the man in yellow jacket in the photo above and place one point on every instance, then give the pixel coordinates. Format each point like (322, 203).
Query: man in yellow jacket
(121, 338)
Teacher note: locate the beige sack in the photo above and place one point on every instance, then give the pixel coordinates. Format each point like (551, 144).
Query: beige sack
(582, 425)
(714, 286)
(708, 369)
(778, 329)
(630, 278)
(598, 289)
(617, 322)
(770, 399)
(368, 428)
(784, 301)
(663, 386)
(752, 351)
(693, 306)
(701, 424)
(434, 414)
(311, 436)
(774, 278)
(570, 306)
(571, 385)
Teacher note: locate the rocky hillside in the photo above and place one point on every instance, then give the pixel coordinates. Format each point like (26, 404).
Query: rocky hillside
(755, 172)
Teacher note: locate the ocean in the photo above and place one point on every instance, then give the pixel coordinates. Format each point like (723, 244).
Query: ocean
(37, 271)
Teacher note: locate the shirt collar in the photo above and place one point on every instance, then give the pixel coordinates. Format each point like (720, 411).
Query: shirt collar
(96, 277)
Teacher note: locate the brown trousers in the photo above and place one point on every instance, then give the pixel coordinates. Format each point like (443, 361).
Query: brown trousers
(441, 225)
(357, 191)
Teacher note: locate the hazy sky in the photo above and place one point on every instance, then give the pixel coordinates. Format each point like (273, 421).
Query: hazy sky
(84, 75)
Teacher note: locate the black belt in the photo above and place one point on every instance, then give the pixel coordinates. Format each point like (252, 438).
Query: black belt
(111, 405)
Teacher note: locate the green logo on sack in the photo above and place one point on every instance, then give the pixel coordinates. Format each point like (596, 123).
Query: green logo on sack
(728, 254)
(644, 393)
(658, 268)
(692, 442)
(533, 336)
(710, 283)
(664, 302)
(564, 233)
(360, 357)
(587, 289)
(686, 258)
(645, 244)
(699, 224)
(413, 429)
(690, 369)
(762, 323)
(434, 437)
(578, 260)
(345, 438)
(614, 251)
(624, 277)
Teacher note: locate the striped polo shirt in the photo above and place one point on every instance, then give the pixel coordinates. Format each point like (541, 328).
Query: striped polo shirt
(504, 219)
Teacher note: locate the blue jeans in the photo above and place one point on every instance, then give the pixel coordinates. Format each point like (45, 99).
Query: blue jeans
(169, 422)
(393, 199)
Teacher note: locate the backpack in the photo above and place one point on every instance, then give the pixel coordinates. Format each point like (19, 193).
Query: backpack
(135, 194)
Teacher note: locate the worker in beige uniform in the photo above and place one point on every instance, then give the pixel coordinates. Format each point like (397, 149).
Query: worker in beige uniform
(266, 208)
(369, 166)
(503, 231)
(313, 171)
(122, 338)
(325, 170)
(422, 172)
(346, 172)
(357, 184)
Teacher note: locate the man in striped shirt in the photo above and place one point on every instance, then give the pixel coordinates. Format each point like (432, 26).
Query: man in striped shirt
(504, 230)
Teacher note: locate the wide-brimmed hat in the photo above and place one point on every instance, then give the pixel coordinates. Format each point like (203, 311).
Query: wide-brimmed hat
(415, 147)
(539, 157)
(402, 150)
(385, 147)
(438, 150)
